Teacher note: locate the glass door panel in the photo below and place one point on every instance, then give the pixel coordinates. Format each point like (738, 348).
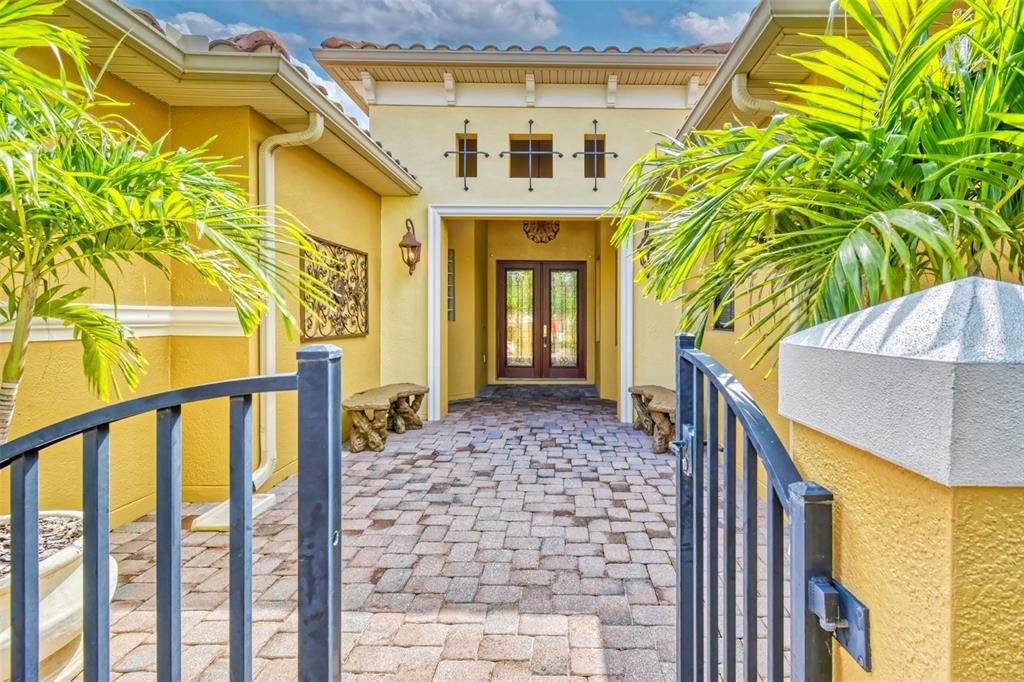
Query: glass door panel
(519, 315)
(564, 318)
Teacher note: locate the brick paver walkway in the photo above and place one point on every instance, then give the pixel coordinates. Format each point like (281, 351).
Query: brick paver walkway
(529, 535)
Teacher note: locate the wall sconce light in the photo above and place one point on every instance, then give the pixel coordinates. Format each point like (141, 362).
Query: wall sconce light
(410, 246)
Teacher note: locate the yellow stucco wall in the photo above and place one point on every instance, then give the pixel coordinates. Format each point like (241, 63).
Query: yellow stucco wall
(334, 206)
(938, 567)
(54, 386)
(467, 334)
(331, 203)
(607, 322)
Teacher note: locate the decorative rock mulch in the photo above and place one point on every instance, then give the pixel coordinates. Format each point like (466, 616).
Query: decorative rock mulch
(55, 533)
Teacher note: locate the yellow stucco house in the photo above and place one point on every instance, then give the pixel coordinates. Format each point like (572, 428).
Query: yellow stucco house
(503, 163)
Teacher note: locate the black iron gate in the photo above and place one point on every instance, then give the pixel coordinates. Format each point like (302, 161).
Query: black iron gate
(723, 440)
(318, 384)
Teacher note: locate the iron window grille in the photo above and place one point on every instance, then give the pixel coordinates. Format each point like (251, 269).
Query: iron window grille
(594, 155)
(466, 154)
(531, 156)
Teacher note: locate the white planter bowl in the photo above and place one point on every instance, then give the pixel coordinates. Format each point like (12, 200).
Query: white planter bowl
(61, 602)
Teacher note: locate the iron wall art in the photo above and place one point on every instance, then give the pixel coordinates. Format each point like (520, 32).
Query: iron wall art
(541, 231)
(345, 271)
(464, 155)
(595, 156)
(529, 153)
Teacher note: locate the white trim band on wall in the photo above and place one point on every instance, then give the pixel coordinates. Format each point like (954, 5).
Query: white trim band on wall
(437, 212)
(145, 321)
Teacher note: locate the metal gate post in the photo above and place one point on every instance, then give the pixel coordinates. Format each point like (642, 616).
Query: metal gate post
(811, 557)
(682, 447)
(319, 513)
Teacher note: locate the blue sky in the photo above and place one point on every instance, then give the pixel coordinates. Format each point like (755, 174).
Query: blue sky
(599, 23)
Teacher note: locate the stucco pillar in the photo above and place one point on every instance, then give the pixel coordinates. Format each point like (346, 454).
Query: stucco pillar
(912, 414)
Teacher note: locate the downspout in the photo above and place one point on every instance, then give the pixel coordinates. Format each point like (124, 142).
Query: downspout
(268, 326)
(746, 102)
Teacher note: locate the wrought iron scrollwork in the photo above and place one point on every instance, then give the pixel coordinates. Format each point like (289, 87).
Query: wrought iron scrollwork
(345, 271)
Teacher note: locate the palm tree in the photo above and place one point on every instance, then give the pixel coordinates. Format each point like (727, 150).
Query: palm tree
(84, 190)
(897, 166)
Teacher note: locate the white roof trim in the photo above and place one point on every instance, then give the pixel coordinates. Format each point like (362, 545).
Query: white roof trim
(274, 68)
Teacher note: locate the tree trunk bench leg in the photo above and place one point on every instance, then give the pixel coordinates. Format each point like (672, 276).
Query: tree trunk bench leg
(396, 421)
(379, 431)
(641, 415)
(363, 436)
(408, 413)
(662, 432)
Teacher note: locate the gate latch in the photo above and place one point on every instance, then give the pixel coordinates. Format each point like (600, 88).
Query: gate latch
(841, 614)
(683, 449)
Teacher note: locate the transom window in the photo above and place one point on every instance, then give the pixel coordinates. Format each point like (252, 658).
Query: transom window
(465, 160)
(593, 156)
(531, 158)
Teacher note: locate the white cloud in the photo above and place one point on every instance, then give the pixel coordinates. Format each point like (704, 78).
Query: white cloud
(200, 23)
(636, 19)
(443, 21)
(704, 29)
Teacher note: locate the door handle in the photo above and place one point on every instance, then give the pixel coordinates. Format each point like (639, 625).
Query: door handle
(545, 330)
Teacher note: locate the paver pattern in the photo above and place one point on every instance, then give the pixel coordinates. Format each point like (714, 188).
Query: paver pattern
(527, 536)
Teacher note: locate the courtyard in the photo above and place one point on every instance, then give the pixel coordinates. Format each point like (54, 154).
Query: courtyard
(528, 535)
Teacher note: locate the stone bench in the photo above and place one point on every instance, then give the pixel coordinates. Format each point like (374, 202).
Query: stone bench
(654, 412)
(374, 411)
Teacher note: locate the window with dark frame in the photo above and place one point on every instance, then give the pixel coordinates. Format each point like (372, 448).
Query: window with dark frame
(593, 156)
(724, 306)
(726, 312)
(451, 285)
(537, 153)
(466, 159)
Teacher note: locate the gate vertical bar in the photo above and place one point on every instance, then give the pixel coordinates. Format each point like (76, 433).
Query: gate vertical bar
(729, 556)
(810, 544)
(96, 551)
(749, 561)
(699, 460)
(319, 513)
(685, 376)
(240, 542)
(711, 628)
(25, 568)
(776, 585)
(168, 544)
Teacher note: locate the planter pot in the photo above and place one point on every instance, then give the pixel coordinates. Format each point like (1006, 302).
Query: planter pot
(60, 611)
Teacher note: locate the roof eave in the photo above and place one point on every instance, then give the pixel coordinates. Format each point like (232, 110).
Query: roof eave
(385, 56)
(271, 68)
(766, 21)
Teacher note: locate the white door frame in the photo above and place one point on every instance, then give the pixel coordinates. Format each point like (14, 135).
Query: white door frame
(436, 277)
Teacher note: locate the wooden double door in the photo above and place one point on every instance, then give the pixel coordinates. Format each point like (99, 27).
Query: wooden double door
(542, 319)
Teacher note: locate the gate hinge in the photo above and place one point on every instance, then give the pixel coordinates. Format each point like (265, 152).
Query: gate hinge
(683, 449)
(841, 614)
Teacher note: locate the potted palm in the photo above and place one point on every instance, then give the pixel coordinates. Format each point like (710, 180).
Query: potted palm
(897, 165)
(81, 189)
